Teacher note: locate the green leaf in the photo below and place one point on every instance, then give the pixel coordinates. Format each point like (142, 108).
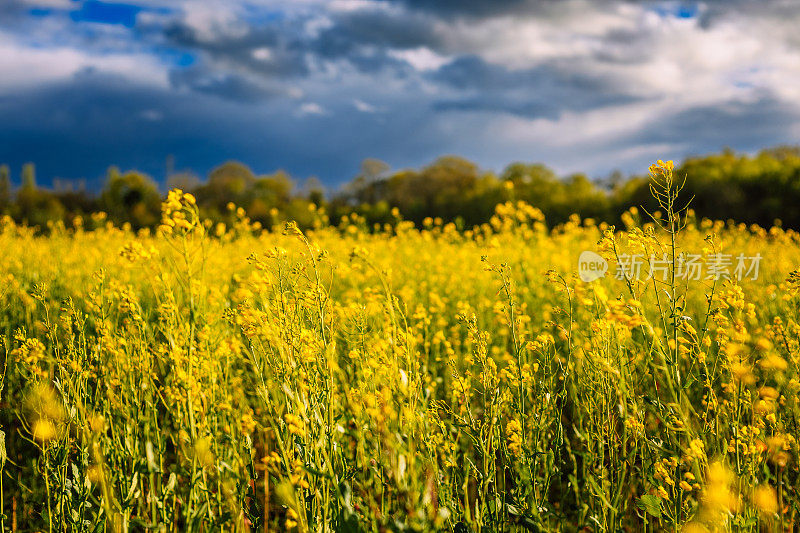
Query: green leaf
(650, 504)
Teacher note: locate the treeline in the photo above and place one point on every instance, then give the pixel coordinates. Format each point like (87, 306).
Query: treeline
(751, 189)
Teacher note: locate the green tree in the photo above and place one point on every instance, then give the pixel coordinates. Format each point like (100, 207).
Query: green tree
(28, 176)
(447, 188)
(366, 186)
(230, 182)
(5, 188)
(273, 191)
(131, 197)
(34, 206)
(184, 180)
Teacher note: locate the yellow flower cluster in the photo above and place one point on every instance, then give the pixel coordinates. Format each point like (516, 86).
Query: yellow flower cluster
(398, 378)
(179, 212)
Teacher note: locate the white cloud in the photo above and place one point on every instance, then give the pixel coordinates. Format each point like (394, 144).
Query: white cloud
(262, 53)
(24, 66)
(667, 63)
(214, 19)
(56, 4)
(568, 29)
(312, 108)
(364, 107)
(153, 115)
(352, 5)
(420, 58)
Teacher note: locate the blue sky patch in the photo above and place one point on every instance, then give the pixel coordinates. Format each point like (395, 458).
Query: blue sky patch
(107, 13)
(40, 12)
(682, 10)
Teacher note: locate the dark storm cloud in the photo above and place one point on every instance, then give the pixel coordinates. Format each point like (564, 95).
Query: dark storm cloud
(376, 28)
(549, 107)
(362, 38)
(315, 87)
(112, 121)
(540, 92)
(228, 85)
(741, 126)
(750, 125)
(366, 38)
(473, 72)
(715, 10)
(287, 53)
(106, 122)
(475, 8)
(708, 11)
(624, 47)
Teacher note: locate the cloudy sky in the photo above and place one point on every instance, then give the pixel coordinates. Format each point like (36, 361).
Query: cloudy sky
(315, 86)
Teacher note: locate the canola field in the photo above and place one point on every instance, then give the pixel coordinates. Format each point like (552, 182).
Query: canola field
(205, 378)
